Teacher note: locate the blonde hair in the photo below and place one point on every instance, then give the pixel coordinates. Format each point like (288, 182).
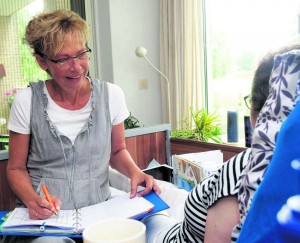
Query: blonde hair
(46, 31)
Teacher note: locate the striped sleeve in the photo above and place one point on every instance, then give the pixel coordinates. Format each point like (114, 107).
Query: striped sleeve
(223, 183)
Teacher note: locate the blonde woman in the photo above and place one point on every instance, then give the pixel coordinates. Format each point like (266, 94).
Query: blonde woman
(66, 131)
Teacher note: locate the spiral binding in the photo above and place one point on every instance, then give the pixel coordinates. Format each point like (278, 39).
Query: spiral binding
(77, 217)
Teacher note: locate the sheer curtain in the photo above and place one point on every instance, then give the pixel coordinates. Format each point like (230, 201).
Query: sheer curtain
(182, 58)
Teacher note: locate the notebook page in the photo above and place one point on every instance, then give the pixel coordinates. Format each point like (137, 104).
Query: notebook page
(20, 217)
(118, 207)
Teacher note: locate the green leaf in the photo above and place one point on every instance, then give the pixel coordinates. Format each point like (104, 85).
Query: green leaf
(205, 127)
(131, 122)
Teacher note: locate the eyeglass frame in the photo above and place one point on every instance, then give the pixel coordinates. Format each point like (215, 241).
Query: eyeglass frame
(247, 100)
(64, 60)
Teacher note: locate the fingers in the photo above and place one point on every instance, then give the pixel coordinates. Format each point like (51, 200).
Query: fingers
(33, 214)
(145, 191)
(133, 190)
(150, 184)
(40, 208)
(57, 203)
(39, 213)
(156, 188)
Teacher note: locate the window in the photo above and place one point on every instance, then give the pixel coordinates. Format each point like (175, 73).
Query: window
(16, 58)
(238, 34)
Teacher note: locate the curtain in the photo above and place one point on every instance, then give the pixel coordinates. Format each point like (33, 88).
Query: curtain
(182, 58)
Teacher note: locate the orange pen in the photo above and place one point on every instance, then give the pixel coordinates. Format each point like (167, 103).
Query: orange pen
(48, 197)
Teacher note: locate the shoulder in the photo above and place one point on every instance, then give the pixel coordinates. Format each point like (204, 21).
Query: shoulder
(19, 119)
(114, 89)
(246, 153)
(241, 160)
(115, 93)
(22, 103)
(24, 95)
(242, 156)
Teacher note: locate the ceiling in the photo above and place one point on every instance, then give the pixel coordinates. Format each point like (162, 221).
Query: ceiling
(7, 7)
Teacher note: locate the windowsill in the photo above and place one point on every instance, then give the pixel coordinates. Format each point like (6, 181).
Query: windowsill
(183, 146)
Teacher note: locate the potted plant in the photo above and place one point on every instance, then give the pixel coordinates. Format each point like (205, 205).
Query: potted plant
(205, 127)
(131, 122)
(203, 135)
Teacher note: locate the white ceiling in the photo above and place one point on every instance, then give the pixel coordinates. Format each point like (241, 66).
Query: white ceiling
(7, 7)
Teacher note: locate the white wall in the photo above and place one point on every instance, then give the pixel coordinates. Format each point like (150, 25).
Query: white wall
(121, 26)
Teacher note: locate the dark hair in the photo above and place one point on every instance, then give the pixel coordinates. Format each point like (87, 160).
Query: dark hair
(260, 85)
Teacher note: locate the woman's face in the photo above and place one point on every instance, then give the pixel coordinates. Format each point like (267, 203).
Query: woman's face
(70, 74)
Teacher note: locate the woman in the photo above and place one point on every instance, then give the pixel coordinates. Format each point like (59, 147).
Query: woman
(280, 180)
(66, 131)
(211, 209)
(214, 193)
(219, 228)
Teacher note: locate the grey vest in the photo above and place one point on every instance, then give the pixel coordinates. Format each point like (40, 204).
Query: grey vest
(77, 174)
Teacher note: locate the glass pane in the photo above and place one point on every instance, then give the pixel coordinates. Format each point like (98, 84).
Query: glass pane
(17, 61)
(239, 33)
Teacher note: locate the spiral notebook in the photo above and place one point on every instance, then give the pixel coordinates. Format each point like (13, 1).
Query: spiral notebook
(74, 221)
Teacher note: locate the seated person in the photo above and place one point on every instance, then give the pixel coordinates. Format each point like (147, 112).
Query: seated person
(218, 229)
(66, 131)
(279, 181)
(220, 188)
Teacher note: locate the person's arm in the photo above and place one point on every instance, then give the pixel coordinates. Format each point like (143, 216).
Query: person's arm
(122, 161)
(221, 218)
(19, 180)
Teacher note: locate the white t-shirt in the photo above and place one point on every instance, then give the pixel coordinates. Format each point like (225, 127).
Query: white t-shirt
(19, 120)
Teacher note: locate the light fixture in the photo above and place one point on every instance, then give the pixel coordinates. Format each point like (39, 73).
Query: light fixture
(141, 51)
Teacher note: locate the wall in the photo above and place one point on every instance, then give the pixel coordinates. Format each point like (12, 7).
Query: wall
(120, 26)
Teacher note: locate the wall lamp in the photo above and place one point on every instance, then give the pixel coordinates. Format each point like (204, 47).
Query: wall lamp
(141, 51)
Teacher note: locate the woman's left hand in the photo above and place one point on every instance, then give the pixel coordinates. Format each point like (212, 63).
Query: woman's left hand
(140, 178)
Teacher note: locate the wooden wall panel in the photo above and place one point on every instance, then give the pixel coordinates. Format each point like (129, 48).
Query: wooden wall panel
(7, 197)
(145, 148)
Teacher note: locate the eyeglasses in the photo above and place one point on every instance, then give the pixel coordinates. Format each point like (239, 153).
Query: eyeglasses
(67, 61)
(247, 100)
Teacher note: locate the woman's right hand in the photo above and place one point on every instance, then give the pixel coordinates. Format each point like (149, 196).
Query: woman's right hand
(40, 208)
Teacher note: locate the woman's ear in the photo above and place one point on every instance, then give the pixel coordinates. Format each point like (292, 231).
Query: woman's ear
(41, 61)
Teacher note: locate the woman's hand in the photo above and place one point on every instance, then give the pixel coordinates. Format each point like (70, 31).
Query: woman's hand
(40, 208)
(142, 179)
